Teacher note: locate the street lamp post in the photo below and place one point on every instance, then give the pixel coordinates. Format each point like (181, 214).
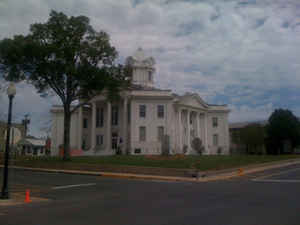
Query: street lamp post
(11, 92)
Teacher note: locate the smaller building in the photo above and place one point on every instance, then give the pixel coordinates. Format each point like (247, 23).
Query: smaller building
(17, 132)
(33, 147)
(235, 129)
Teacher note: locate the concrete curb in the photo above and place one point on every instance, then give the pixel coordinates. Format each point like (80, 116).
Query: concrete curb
(19, 199)
(220, 176)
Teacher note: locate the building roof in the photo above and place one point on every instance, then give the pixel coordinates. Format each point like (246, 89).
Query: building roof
(182, 99)
(139, 54)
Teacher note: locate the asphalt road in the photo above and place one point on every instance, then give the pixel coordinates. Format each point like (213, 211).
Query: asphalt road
(268, 198)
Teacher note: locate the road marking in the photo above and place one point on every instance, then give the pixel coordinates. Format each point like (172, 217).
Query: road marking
(276, 181)
(275, 174)
(71, 186)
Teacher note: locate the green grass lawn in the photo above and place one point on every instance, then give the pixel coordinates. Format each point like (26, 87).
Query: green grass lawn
(212, 162)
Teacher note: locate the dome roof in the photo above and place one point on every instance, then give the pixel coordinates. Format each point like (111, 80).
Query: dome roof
(140, 59)
(139, 55)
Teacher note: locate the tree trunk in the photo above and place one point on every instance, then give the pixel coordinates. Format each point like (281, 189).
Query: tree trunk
(67, 127)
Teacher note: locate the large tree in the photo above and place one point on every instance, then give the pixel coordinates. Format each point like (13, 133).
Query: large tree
(66, 56)
(283, 126)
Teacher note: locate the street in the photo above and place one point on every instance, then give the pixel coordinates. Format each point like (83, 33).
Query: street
(269, 198)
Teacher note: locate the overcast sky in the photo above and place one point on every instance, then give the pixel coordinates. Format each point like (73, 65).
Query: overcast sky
(243, 53)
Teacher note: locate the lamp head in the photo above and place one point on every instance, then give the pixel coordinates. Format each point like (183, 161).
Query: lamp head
(11, 90)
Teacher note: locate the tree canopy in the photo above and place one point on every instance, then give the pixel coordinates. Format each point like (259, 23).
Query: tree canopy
(283, 126)
(66, 56)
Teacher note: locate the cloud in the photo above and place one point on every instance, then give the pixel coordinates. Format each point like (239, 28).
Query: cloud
(244, 53)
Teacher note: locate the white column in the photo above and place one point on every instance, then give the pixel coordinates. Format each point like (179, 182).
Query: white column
(108, 127)
(125, 131)
(227, 137)
(79, 128)
(197, 123)
(180, 129)
(206, 135)
(93, 132)
(188, 130)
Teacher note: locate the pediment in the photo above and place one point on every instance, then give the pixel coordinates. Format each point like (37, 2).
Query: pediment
(193, 100)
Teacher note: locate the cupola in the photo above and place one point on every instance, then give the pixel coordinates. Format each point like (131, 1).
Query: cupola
(142, 68)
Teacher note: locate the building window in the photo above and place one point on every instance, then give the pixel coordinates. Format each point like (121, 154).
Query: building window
(142, 133)
(215, 121)
(143, 111)
(114, 115)
(150, 75)
(215, 140)
(85, 123)
(160, 133)
(160, 111)
(99, 139)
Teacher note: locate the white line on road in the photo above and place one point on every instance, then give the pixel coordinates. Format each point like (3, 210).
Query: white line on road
(73, 185)
(276, 180)
(275, 174)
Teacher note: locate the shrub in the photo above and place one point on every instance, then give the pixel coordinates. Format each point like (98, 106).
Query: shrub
(185, 148)
(197, 145)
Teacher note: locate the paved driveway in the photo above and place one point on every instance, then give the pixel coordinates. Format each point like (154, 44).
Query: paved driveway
(77, 199)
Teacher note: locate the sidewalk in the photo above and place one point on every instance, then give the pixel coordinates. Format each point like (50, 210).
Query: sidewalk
(198, 176)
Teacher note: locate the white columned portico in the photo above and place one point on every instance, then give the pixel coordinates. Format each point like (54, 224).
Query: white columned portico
(80, 127)
(93, 132)
(108, 127)
(125, 131)
(189, 130)
(180, 129)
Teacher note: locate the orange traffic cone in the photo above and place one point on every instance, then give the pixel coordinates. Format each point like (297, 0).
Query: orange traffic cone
(240, 171)
(27, 196)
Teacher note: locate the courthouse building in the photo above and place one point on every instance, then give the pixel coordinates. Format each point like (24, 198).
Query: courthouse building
(141, 118)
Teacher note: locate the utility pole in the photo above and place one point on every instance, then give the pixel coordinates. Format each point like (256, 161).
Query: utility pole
(25, 122)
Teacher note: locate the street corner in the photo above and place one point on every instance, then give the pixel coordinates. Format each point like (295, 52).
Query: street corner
(21, 198)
